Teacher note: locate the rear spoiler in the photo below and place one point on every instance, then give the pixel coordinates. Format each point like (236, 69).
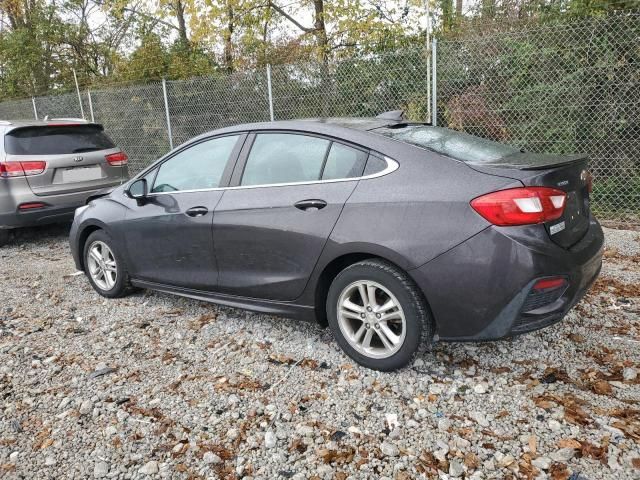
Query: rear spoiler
(533, 161)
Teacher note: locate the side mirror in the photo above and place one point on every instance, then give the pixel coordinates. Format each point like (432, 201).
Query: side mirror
(138, 189)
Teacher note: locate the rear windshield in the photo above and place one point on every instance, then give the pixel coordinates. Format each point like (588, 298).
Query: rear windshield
(56, 140)
(458, 145)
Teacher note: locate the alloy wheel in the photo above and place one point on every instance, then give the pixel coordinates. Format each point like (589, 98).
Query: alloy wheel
(102, 265)
(371, 319)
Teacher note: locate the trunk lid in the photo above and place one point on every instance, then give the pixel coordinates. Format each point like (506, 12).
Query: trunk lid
(74, 156)
(567, 173)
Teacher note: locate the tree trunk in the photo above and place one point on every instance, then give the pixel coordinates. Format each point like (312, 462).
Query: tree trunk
(182, 24)
(228, 38)
(321, 32)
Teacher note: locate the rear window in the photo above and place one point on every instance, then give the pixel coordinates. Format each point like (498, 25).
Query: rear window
(56, 140)
(458, 145)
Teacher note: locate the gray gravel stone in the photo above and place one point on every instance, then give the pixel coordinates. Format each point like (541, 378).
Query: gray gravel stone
(205, 387)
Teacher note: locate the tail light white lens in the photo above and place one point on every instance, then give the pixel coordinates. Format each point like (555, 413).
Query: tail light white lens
(521, 206)
(20, 169)
(117, 159)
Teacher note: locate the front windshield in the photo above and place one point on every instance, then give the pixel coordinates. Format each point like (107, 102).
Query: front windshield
(458, 145)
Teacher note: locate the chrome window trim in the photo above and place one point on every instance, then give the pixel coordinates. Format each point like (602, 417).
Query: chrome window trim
(391, 167)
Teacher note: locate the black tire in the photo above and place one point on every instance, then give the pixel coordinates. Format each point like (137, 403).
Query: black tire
(418, 322)
(5, 236)
(122, 287)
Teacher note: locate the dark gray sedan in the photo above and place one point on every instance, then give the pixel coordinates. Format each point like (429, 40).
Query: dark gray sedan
(395, 234)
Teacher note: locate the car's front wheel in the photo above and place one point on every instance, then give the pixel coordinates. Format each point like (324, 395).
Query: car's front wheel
(105, 268)
(378, 315)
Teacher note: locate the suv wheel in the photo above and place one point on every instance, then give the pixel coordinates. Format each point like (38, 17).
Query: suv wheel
(106, 269)
(5, 236)
(378, 315)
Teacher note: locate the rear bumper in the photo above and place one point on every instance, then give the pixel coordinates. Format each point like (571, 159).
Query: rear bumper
(479, 289)
(58, 208)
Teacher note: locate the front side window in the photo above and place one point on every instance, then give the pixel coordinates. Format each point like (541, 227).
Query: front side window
(195, 168)
(284, 158)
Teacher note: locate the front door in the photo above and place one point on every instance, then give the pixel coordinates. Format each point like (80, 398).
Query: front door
(271, 229)
(169, 236)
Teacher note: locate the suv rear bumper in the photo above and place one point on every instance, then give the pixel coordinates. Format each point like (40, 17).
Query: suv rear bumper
(58, 208)
(480, 289)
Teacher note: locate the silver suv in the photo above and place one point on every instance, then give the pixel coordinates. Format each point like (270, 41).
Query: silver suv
(49, 168)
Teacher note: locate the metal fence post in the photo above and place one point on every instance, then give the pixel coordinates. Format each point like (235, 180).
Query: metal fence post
(93, 120)
(434, 83)
(35, 110)
(270, 92)
(75, 78)
(166, 109)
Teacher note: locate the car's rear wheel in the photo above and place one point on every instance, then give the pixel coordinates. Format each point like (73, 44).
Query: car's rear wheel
(378, 315)
(104, 267)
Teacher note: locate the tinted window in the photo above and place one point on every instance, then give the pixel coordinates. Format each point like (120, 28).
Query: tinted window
(374, 165)
(343, 162)
(458, 145)
(56, 140)
(198, 167)
(284, 158)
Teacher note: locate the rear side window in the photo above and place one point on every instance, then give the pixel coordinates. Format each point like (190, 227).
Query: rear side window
(284, 158)
(56, 140)
(343, 162)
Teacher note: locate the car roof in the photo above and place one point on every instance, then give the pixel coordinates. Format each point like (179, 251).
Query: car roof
(342, 127)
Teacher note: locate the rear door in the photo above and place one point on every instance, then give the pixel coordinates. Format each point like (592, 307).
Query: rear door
(169, 236)
(75, 156)
(270, 230)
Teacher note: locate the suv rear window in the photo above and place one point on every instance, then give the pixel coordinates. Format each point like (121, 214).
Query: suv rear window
(56, 140)
(458, 145)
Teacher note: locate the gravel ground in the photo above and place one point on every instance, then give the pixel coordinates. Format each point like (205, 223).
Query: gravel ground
(155, 386)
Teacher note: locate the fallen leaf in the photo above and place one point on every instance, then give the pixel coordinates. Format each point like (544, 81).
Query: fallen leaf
(559, 471)
(471, 460)
(602, 387)
(533, 444)
(569, 443)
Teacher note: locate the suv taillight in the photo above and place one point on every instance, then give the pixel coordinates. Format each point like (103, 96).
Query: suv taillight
(117, 159)
(20, 169)
(521, 206)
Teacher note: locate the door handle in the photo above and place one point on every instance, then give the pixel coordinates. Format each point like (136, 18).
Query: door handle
(197, 211)
(311, 204)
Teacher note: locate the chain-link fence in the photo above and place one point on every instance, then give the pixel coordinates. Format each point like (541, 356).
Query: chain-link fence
(560, 88)
(557, 88)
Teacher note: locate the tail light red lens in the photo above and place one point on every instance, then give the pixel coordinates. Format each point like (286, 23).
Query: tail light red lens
(117, 159)
(521, 206)
(550, 283)
(31, 205)
(20, 169)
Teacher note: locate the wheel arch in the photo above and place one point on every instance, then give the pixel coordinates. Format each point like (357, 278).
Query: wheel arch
(339, 263)
(82, 240)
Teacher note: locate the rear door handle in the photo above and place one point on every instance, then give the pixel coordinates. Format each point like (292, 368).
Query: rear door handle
(311, 204)
(197, 211)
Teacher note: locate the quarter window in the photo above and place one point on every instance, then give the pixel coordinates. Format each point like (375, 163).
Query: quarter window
(344, 162)
(198, 167)
(284, 158)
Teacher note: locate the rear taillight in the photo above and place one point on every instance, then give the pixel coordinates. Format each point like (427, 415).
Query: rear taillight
(117, 159)
(20, 169)
(521, 206)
